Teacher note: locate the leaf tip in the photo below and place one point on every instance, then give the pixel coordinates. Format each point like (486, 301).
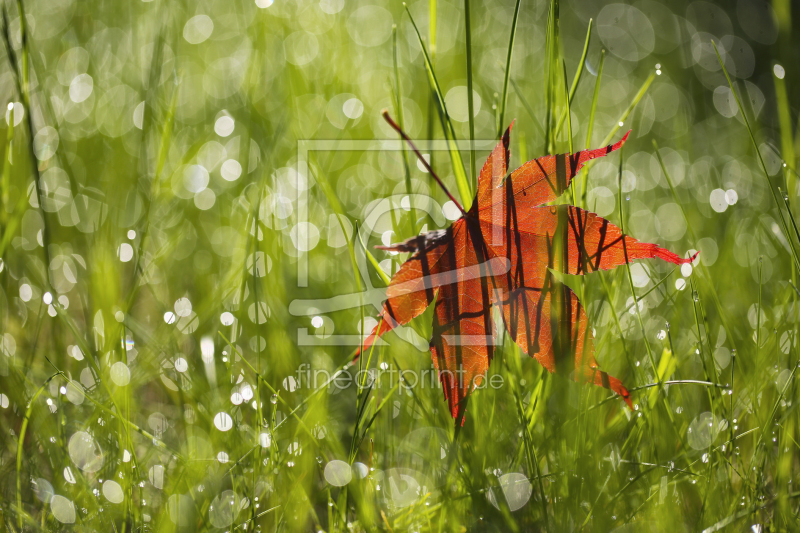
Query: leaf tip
(627, 398)
(507, 133)
(666, 255)
(617, 145)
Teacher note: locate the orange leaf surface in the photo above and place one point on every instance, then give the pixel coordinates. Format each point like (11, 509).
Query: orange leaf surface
(502, 254)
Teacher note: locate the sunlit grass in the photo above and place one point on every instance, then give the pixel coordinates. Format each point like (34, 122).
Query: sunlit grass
(183, 287)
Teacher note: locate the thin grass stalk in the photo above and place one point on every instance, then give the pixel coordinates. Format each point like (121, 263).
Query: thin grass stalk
(259, 414)
(470, 99)
(22, 80)
(569, 126)
(398, 109)
(576, 80)
(628, 265)
(624, 116)
(787, 137)
(116, 414)
(155, 189)
(463, 184)
(333, 201)
(21, 441)
(260, 379)
(533, 460)
(787, 203)
(595, 97)
(584, 181)
(757, 372)
(710, 376)
(509, 54)
(551, 47)
(760, 158)
(374, 262)
(529, 109)
(706, 274)
(5, 183)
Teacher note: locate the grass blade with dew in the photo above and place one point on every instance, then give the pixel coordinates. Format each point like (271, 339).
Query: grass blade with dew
(624, 116)
(620, 122)
(760, 159)
(463, 184)
(21, 441)
(706, 275)
(650, 356)
(785, 122)
(21, 75)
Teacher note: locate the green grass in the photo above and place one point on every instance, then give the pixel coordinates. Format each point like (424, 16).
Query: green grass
(155, 310)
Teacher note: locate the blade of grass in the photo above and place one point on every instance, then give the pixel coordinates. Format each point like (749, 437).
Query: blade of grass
(551, 50)
(374, 262)
(528, 108)
(155, 187)
(569, 126)
(759, 310)
(512, 36)
(787, 203)
(574, 87)
(706, 275)
(470, 102)
(628, 265)
(21, 441)
(22, 81)
(760, 158)
(533, 461)
(6, 180)
(787, 139)
(595, 96)
(398, 109)
(464, 189)
(590, 127)
(624, 115)
(333, 201)
(567, 99)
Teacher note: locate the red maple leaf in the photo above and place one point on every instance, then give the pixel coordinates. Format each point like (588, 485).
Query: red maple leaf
(501, 254)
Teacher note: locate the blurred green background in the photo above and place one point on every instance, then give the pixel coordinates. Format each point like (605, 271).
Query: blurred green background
(181, 190)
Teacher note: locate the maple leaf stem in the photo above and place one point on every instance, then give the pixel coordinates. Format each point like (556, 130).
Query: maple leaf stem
(424, 162)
